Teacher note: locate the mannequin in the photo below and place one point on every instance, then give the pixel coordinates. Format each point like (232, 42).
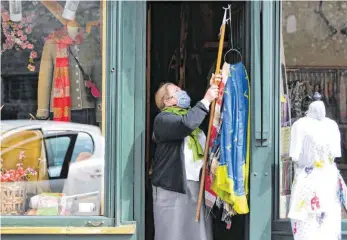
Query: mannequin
(72, 29)
(315, 208)
(70, 98)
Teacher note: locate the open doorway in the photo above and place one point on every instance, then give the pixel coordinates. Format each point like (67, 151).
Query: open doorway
(182, 46)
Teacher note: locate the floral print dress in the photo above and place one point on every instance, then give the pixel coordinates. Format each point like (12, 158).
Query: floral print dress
(315, 207)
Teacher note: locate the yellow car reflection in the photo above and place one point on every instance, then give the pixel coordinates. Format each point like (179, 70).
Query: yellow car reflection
(68, 158)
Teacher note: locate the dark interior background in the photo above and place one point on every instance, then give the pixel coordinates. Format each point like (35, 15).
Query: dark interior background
(19, 85)
(204, 21)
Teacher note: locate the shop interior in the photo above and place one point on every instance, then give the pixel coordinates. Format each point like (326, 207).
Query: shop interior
(313, 59)
(182, 46)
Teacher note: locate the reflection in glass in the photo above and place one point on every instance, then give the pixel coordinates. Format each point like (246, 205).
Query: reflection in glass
(70, 9)
(314, 56)
(52, 148)
(15, 10)
(49, 172)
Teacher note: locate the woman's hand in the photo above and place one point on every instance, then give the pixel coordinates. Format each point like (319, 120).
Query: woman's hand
(215, 79)
(211, 94)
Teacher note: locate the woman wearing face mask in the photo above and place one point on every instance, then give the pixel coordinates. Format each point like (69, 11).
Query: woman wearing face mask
(177, 164)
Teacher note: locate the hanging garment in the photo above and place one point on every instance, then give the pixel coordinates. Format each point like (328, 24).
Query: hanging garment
(61, 88)
(232, 172)
(315, 207)
(210, 195)
(59, 69)
(300, 98)
(295, 99)
(307, 97)
(342, 98)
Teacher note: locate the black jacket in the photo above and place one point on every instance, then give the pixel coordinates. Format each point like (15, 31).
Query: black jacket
(169, 133)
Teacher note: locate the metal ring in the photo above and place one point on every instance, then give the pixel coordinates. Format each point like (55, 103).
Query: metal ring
(235, 50)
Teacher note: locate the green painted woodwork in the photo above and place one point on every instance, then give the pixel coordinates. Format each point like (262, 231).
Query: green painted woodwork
(261, 47)
(255, 72)
(51, 221)
(139, 16)
(125, 94)
(262, 77)
(124, 59)
(127, 57)
(111, 114)
(267, 70)
(276, 112)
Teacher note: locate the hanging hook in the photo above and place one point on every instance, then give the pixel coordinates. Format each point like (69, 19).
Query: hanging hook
(231, 36)
(225, 20)
(226, 8)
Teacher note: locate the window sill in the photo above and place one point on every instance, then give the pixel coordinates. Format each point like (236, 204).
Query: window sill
(123, 230)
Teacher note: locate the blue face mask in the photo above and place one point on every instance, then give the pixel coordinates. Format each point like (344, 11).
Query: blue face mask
(183, 100)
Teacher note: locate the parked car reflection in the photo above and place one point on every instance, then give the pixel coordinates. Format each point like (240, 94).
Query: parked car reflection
(68, 159)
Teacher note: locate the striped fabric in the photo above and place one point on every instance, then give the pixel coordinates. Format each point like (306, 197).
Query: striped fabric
(210, 196)
(61, 86)
(227, 177)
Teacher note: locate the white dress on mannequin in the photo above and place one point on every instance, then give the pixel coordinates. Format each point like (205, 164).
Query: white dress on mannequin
(315, 207)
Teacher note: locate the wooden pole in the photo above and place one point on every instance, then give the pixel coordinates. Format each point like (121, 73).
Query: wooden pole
(203, 175)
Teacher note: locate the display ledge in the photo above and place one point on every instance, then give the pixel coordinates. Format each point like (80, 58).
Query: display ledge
(123, 230)
(278, 235)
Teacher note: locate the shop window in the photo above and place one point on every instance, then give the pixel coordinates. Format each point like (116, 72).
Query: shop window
(52, 141)
(313, 59)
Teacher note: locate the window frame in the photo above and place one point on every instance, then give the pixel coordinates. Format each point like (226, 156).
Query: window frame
(73, 137)
(124, 67)
(280, 227)
(49, 151)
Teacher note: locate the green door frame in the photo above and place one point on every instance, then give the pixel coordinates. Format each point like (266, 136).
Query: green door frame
(281, 228)
(127, 49)
(263, 75)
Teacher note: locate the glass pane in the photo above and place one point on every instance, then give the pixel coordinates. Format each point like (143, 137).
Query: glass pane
(56, 151)
(84, 147)
(314, 60)
(52, 143)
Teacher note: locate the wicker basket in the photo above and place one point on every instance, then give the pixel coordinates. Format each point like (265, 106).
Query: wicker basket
(12, 198)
